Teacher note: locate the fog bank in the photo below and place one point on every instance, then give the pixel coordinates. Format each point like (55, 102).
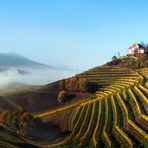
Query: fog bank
(32, 77)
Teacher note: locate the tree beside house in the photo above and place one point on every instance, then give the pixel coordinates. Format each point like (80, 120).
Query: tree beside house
(136, 49)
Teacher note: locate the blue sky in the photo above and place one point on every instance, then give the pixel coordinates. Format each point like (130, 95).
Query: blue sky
(77, 34)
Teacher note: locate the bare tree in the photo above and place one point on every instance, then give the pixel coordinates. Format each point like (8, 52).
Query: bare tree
(145, 46)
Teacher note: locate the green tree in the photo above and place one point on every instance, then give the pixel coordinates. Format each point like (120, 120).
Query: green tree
(20, 121)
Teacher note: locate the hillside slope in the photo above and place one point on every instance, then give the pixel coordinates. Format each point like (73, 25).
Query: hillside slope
(118, 116)
(9, 139)
(18, 61)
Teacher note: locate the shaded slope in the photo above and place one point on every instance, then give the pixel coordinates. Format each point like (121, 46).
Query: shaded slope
(9, 139)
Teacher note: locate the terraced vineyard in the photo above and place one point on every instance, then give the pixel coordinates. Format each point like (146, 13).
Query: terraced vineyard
(118, 116)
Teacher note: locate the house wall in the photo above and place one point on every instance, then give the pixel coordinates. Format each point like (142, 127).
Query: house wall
(141, 51)
(133, 50)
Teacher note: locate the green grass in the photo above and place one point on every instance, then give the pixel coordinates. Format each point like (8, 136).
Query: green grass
(139, 101)
(84, 128)
(102, 120)
(110, 125)
(120, 80)
(119, 113)
(75, 118)
(93, 125)
(78, 126)
(126, 102)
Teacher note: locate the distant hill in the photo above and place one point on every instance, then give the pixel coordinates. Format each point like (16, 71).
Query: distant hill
(18, 61)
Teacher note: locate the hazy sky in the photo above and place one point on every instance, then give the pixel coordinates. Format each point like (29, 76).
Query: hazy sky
(72, 33)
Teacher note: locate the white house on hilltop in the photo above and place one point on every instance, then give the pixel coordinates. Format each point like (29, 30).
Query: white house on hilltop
(135, 49)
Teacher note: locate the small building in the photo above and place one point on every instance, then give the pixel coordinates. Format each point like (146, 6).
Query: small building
(136, 49)
(114, 58)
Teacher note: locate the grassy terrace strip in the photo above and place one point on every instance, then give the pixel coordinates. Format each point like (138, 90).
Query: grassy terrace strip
(142, 98)
(134, 77)
(75, 117)
(125, 129)
(84, 139)
(123, 110)
(127, 104)
(91, 127)
(97, 123)
(122, 84)
(108, 70)
(129, 125)
(83, 127)
(119, 135)
(105, 136)
(69, 139)
(118, 86)
(137, 106)
(119, 113)
(139, 134)
(109, 93)
(111, 90)
(110, 81)
(99, 95)
(97, 79)
(110, 126)
(124, 95)
(114, 111)
(140, 118)
(115, 88)
(99, 128)
(143, 89)
(134, 101)
(102, 93)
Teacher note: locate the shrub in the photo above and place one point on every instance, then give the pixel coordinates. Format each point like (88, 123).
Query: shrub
(19, 121)
(62, 96)
(140, 62)
(90, 87)
(94, 96)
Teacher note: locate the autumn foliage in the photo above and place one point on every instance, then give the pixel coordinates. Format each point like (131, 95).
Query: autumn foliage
(19, 121)
(73, 84)
(78, 84)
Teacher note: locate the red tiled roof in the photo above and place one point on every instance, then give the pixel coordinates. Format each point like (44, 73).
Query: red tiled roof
(132, 46)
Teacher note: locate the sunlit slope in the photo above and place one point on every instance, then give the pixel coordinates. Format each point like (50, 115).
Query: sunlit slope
(104, 76)
(118, 116)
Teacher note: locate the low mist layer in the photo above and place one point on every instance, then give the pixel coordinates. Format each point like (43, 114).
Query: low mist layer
(12, 76)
